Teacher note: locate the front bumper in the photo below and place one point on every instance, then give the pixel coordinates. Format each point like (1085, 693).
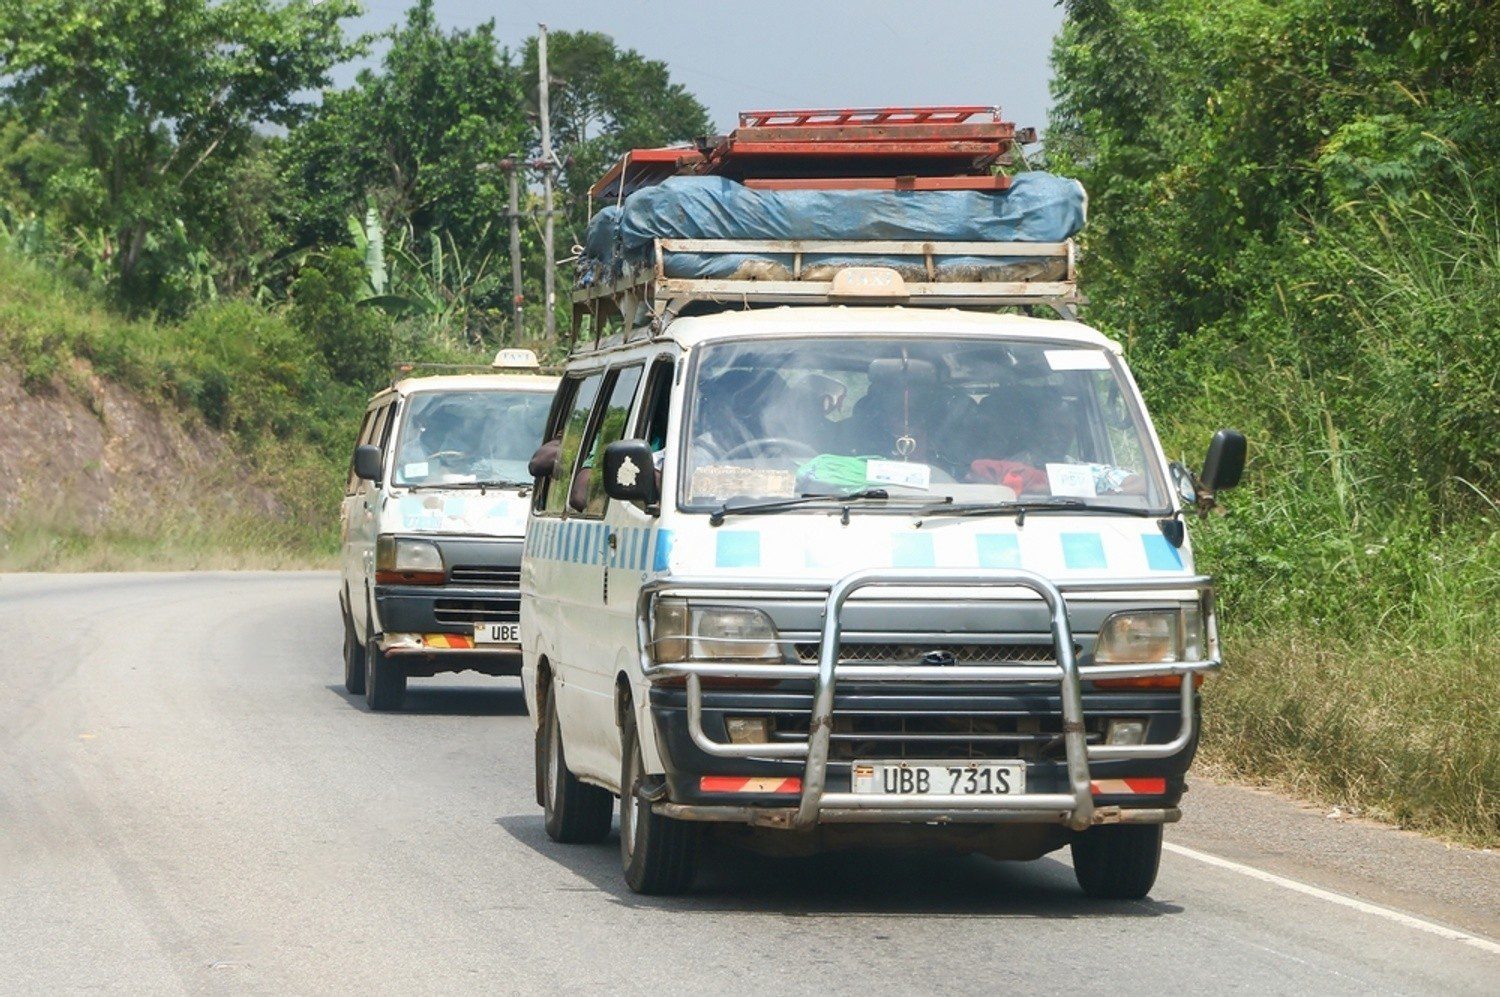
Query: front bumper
(432, 628)
(1073, 779)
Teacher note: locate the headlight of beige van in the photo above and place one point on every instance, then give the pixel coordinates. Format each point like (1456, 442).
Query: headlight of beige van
(684, 632)
(1151, 636)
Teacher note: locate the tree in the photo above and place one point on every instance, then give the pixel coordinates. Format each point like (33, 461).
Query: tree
(416, 136)
(156, 91)
(605, 101)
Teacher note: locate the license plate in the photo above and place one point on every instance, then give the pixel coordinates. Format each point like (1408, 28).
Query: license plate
(497, 633)
(940, 778)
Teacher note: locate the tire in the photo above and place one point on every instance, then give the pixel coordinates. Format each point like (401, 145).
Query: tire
(385, 679)
(354, 661)
(573, 812)
(1117, 862)
(659, 854)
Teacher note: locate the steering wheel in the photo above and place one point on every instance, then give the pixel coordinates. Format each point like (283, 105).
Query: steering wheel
(765, 445)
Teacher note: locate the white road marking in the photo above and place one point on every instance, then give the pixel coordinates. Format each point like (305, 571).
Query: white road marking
(1336, 898)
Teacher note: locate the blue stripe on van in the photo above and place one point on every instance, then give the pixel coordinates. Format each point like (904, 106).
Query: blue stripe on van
(998, 550)
(911, 550)
(1083, 550)
(1160, 555)
(737, 549)
(663, 551)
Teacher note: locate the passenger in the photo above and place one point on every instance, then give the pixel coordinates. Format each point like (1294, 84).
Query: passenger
(1034, 428)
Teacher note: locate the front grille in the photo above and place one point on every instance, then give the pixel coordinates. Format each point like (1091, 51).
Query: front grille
(492, 576)
(914, 654)
(469, 611)
(881, 736)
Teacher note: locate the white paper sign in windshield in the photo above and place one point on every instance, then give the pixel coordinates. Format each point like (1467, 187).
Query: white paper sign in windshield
(896, 472)
(1077, 360)
(1071, 480)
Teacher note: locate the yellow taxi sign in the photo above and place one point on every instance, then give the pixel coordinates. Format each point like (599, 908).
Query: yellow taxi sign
(868, 282)
(514, 358)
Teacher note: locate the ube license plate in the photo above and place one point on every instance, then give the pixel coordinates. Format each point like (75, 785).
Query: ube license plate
(940, 778)
(497, 633)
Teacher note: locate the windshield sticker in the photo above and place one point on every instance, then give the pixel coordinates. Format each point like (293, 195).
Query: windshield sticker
(726, 481)
(1077, 360)
(1071, 480)
(895, 472)
(416, 469)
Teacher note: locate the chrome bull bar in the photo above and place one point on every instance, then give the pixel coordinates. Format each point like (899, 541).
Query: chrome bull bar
(1074, 808)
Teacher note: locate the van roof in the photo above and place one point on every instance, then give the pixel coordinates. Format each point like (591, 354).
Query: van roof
(917, 322)
(541, 383)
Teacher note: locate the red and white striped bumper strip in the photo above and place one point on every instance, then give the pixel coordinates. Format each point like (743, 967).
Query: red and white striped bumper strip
(1129, 787)
(452, 641)
(749, 784)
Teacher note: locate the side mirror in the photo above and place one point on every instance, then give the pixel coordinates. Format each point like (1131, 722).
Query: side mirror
(367, 462)
(1225, 462)
(630, 472)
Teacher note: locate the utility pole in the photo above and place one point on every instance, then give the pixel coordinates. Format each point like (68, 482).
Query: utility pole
(548, 278)
(512, 167)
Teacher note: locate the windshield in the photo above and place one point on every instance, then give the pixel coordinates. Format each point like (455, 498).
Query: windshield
(956, 420)
(462, 437)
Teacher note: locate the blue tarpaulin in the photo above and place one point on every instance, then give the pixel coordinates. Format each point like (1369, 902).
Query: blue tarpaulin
(1038, 207)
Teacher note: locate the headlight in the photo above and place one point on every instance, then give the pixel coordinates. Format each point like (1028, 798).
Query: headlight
(402, 561)
(1151, 636)
(682, 632)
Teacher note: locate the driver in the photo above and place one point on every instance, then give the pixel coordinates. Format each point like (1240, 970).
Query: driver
(438, 434)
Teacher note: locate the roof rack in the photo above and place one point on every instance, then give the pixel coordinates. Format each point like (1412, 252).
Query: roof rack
(1045, 275)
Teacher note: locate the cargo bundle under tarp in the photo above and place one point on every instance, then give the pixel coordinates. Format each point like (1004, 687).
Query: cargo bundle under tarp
(1036, 207)
(900, 205)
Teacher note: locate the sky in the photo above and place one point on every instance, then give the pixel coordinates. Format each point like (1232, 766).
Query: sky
(783, 53)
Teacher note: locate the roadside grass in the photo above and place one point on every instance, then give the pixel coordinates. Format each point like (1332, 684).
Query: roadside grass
(1387, 728)
(1359, 564)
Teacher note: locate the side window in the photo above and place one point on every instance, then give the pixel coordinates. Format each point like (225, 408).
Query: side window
(362, 438)
(653, 422)
(571, 432)
(608, 428)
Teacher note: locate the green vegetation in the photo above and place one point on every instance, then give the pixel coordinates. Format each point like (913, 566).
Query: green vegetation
(1296, 230)
(157, 231)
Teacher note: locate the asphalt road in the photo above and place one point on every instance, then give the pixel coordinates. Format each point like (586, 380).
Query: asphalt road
(190, 803)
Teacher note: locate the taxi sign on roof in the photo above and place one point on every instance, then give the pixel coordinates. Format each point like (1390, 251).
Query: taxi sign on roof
(516, 359)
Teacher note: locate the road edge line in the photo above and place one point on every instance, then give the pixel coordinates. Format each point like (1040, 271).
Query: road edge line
(1397, 916)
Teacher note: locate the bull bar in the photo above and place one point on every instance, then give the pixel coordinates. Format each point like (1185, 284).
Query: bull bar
(1075, 808)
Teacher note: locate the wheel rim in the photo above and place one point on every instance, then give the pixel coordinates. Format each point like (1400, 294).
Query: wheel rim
(629, 808)
(554, 761)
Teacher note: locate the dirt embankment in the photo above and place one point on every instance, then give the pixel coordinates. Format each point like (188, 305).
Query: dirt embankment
(86, 457)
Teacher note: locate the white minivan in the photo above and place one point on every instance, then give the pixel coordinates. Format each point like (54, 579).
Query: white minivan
(884, 574)
(431, 525)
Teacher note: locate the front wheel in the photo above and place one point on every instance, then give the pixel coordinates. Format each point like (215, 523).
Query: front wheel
(573, 812)
(385, 679)
(1117, 862)
(660, 855)
(354, 661)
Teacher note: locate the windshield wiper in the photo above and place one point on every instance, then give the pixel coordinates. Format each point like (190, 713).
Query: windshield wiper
(716, 518)
(1037, 505)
